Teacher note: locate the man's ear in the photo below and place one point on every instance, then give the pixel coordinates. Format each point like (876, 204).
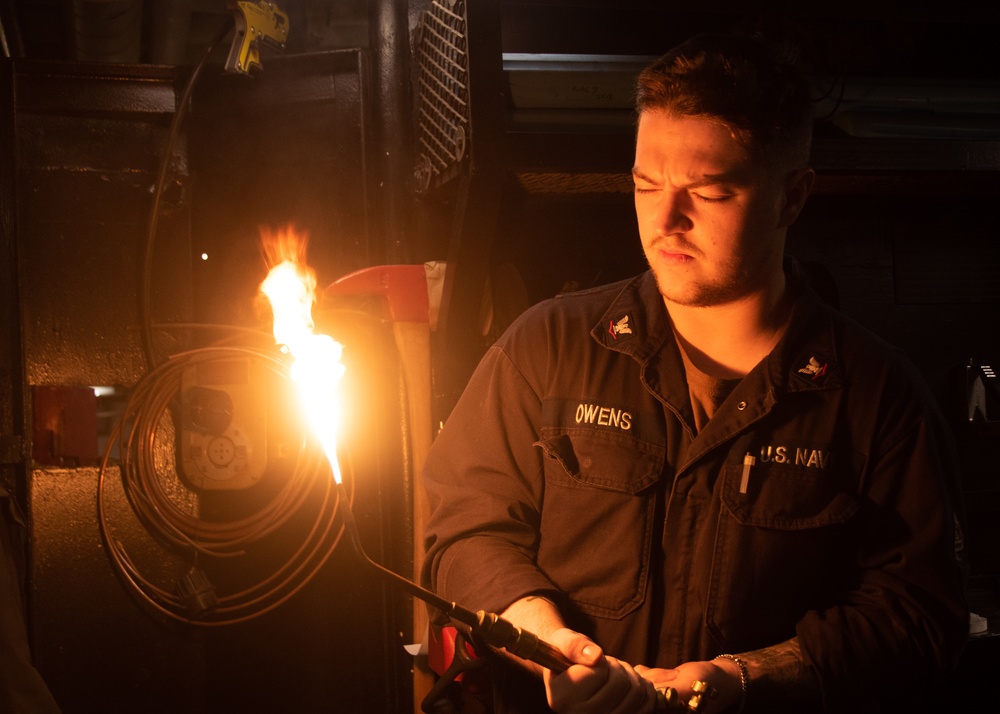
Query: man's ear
(797, 188)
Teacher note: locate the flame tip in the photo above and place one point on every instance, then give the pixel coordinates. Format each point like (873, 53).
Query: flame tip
(290, 286)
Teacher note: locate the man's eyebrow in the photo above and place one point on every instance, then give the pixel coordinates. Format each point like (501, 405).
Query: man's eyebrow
(714, 180)
(705, 180)
(638, 174)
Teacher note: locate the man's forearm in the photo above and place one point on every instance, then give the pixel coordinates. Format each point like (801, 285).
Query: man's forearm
(536, 614)
(777, 673)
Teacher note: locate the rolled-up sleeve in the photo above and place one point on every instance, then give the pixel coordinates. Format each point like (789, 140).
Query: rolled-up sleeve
(484, 483)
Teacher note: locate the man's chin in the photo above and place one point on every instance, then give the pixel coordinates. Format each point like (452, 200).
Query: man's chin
(680, 293)
(698, 296)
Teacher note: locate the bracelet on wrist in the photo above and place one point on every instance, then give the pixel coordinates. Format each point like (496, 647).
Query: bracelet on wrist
(744, 676)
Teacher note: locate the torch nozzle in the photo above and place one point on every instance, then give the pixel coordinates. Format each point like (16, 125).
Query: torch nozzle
(488, 627)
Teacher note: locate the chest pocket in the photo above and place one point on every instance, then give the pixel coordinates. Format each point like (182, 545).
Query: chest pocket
(777, 548)
(787, 497)
(597, 517)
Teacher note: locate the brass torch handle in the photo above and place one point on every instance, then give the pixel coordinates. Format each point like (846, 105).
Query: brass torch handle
(498, 632)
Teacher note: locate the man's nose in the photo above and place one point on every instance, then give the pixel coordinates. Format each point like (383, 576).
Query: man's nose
(673, 214)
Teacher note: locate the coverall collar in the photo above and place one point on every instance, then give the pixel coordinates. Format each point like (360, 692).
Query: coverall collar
(637, 324)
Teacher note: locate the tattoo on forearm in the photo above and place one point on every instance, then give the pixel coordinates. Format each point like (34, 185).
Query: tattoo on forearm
(777, 673)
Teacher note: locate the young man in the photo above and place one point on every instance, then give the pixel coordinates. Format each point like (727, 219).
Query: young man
(704, 473)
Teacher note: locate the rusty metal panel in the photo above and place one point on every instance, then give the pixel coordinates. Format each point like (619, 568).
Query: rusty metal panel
(88, 141)
(85, 143)
(93, 645)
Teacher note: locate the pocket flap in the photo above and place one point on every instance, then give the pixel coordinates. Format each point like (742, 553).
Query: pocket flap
(613, 462)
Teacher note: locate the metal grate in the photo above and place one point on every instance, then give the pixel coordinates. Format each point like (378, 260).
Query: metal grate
(440, 45)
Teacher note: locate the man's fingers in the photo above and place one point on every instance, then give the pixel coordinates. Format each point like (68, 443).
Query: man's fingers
(579, 648)
(627, 691)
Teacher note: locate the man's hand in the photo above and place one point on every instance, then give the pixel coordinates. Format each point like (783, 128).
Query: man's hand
(721, 674)
(596, 684)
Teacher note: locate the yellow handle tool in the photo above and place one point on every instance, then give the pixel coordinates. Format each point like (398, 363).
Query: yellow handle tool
(257, 23)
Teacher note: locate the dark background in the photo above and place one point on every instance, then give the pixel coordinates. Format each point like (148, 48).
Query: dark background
(538, 200)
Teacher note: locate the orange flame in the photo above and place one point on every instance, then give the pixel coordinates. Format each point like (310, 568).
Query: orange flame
(290, 286)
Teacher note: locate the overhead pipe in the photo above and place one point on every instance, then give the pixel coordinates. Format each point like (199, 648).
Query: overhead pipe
(390, 52)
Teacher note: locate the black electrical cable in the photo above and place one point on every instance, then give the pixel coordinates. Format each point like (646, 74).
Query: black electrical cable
(841, 81)
(145, 290)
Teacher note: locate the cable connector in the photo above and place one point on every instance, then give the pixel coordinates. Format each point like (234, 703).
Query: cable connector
(197, 593)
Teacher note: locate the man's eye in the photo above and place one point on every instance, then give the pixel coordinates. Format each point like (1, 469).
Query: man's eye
(639, 189)
(713, 198)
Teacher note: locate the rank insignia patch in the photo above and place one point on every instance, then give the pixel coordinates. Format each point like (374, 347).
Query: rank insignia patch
(619, 328)
(815, 370)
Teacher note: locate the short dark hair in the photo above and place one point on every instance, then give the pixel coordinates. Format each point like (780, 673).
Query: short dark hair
(750, 85)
